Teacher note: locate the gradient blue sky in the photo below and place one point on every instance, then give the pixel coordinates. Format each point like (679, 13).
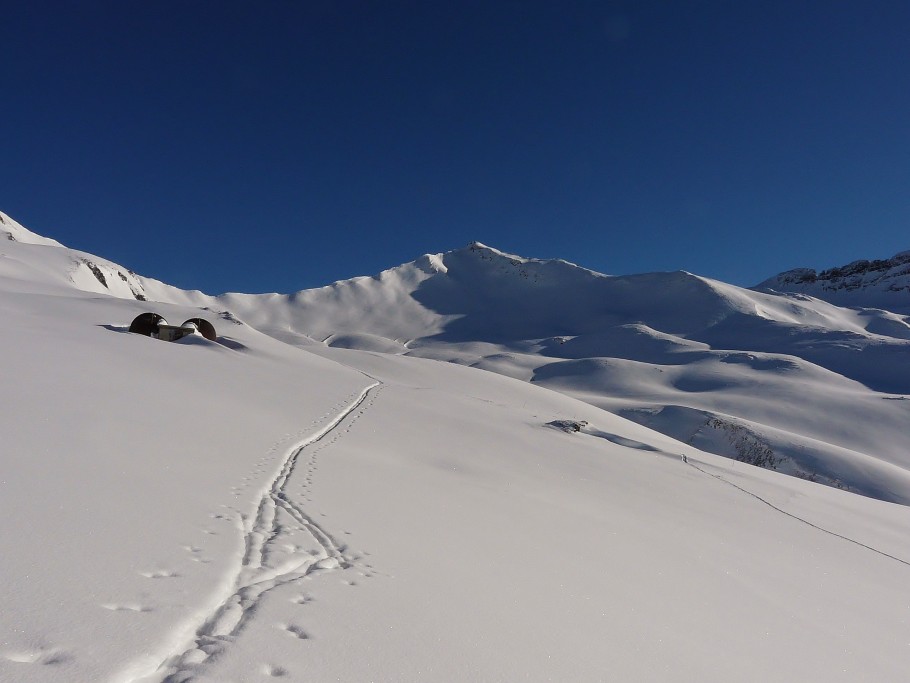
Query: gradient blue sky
(274, 146)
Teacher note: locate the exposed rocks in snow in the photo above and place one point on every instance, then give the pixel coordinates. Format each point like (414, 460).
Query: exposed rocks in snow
(748, 446)
(96, 271)
(568, 426)
(881, 275)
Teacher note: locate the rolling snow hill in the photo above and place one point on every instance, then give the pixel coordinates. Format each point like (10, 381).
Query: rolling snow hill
(308, 499)
(782, 380)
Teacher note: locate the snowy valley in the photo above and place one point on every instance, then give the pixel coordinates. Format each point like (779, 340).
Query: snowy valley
(369, 482)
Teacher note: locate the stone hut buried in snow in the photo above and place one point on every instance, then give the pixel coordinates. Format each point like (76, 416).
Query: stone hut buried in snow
(155, 326)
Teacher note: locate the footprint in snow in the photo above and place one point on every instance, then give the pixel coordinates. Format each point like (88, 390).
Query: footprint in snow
(274, 671)
(160, 574)
(126, 607)
(294, 630)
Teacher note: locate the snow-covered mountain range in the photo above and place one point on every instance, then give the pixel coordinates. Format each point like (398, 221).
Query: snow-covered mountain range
(779, 378)
(314, 496)
(881, 283)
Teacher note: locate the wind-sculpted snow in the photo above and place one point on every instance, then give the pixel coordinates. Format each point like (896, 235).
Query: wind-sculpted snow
(520, 317)
(244, 509)
(763, 357)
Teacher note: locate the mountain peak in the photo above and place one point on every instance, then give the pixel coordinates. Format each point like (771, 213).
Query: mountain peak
(15, 232)
(876, 283)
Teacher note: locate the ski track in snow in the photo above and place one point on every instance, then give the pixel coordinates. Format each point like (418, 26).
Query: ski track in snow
(262, 568)
(792, 516)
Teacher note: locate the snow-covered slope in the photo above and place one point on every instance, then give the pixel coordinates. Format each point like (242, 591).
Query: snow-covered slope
(783, 380)
(14, 232)
(882, 283)
(786, 381)
(246, 509)
(38, 260)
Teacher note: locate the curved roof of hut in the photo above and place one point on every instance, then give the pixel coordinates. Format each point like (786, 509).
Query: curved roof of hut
(206, 329)
(147, 324)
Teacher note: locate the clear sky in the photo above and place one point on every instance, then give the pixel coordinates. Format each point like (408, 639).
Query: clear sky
(275, 146)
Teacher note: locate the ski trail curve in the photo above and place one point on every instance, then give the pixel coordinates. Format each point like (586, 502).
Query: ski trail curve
(277, 517)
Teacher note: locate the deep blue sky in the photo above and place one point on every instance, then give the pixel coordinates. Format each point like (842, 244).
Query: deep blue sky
(273, 146)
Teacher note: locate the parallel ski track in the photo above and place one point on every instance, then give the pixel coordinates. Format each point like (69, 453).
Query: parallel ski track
(252, 578)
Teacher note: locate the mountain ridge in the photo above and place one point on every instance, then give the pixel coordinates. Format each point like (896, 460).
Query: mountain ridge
(650, 347)
(870, 283)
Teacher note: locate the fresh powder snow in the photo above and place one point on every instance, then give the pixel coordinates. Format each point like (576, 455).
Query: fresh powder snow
(314, 496)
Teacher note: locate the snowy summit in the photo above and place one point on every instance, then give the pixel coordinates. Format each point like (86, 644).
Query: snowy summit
(471, 467)
(884, 282)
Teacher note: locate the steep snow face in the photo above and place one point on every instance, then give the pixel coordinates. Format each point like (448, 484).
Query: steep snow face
(880, 283)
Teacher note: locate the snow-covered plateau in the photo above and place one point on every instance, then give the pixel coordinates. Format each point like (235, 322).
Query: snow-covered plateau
(593, 488)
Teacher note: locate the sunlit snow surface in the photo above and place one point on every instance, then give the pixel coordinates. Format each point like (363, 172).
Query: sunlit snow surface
(252, 509)
(781, 379)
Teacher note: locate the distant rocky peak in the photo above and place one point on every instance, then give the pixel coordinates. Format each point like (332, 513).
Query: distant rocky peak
(880, 277)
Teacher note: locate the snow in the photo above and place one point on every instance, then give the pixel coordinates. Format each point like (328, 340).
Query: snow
(128, 463)
(883, 283)
(15, 232)
(308, 499)
(807, 378)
